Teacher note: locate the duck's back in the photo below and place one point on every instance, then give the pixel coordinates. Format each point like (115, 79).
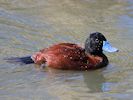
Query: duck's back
(62, 56)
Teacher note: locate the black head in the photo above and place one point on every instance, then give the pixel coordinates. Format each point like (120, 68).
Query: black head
(94, 43)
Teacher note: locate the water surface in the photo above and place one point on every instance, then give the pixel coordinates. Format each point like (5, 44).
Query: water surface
(27, 26)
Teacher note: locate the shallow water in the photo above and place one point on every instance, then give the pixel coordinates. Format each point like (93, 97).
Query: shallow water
(29, 25)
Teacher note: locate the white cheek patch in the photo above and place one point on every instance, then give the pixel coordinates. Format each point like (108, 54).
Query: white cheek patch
(108, 48)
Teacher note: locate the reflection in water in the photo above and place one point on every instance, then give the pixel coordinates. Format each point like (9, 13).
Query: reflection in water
(94, 81)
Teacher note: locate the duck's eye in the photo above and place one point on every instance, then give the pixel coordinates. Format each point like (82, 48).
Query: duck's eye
(96, 40)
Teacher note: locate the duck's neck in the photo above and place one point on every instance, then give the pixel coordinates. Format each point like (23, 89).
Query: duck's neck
(99, 60)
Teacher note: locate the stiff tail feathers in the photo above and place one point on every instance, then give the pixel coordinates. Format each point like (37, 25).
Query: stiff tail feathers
(20, 60)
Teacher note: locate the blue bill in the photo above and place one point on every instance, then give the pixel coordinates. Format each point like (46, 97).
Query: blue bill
(108, 48)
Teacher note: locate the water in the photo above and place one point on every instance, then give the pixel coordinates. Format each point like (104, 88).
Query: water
(27, 26)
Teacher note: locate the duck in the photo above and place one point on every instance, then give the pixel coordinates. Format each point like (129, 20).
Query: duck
(71, 56)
